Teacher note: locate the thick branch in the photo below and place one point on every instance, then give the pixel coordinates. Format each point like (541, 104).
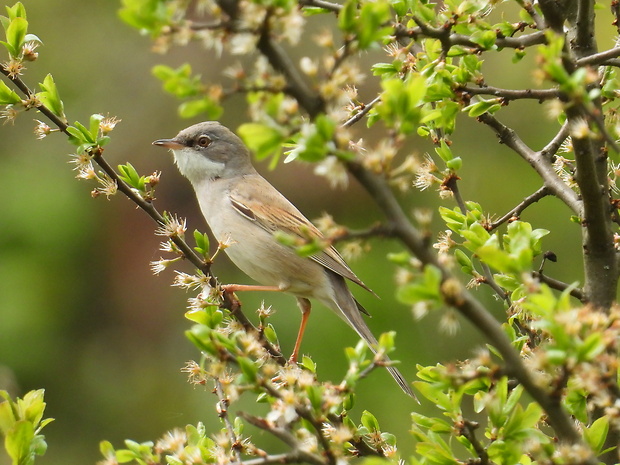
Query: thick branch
(296, 85)
(599, 254)
(467, 305)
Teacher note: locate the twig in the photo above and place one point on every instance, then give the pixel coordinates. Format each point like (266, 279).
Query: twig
(223, 414)
(540, 163)
(528, 40)
(529, 8)
(518, 209)
(469, 431)
(297, 454)
(365, 108)
(490, 281)
(335, 7)
(514, 94)
(576, 292)
(552, 147)
(234, 305)
(598, 58)
(345, 234)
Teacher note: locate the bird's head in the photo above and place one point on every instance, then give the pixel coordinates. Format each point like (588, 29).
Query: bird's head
(208, 150)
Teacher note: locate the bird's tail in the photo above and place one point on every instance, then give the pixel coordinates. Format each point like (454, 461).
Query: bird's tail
(350, 310)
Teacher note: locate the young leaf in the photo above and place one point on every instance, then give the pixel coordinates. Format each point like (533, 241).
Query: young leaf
(7, 95)
(50, 97)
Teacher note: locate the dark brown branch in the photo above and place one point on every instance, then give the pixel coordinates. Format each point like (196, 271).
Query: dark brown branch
(576, 292)
(296, 86)
(469, 431)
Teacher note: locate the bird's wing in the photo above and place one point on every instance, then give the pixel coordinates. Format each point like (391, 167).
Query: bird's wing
(275, 213)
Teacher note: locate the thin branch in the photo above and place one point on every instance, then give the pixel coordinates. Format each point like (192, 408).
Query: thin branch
(513, 94)
(529, 8)
(490, 281)
(552, 147)
(561, 286)
(557, 417)
(528, 40)
(364, 109)
(330, 6)
(469, 431)
(540, 163)
(223, 414)
(599, 58)
(377, 230)
(297, 454)
(234, 305)
(518, 209)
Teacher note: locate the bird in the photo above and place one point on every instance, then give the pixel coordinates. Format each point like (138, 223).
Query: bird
(245, 210)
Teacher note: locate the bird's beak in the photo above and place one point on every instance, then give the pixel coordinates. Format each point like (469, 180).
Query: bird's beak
(169, 143)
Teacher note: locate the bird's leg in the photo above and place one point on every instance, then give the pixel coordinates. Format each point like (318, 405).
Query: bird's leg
(250, 287)
(305, 307)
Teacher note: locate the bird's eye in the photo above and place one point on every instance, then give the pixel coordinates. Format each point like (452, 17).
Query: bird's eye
(203, 141)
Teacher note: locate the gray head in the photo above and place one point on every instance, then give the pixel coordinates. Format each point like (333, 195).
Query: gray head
(208, 151)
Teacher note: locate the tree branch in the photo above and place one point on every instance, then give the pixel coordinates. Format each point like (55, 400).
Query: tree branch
(518, 209)
(364, 109)
(599, 253)
(296, 85)
(512, 94)
(539, 162)
(223, 414)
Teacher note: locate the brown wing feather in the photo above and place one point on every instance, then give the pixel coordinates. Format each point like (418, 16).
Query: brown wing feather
(281, 215)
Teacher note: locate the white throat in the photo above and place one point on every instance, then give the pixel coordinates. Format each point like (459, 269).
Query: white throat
(196, 167)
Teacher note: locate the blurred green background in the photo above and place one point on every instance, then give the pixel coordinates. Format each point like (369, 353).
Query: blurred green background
(82, 316)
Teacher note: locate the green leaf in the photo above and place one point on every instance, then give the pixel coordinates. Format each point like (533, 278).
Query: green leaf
(129, 174)
(202, 243)
(373, 16)
(15, 35)
(265, 141)
(204, 106)
(369, 421)
(596, 434)
(346, 17)
(50, 97)
(484, 106)
(18, 441)
(308, 364)
(248, 368)
(7, 95)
